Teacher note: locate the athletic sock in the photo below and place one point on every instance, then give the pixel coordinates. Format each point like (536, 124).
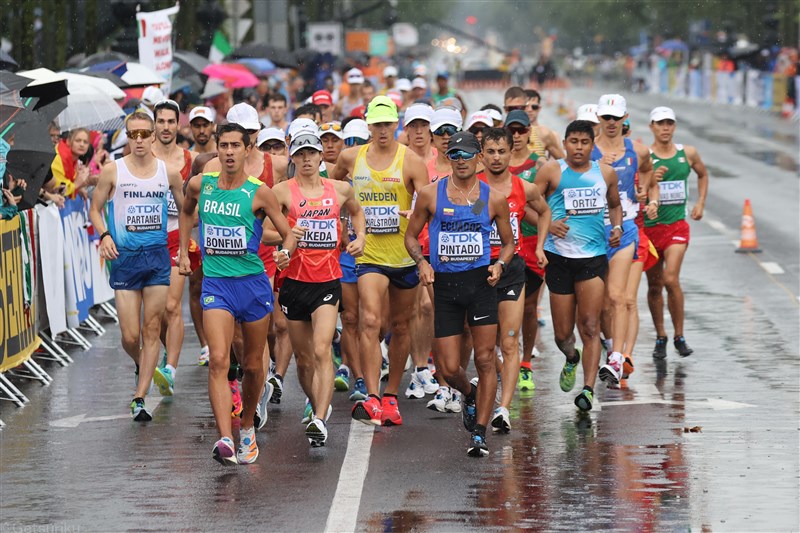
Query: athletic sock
(587, 387)
(278, 377)
(479, 430)
(421, 368)
(576, 359)
(473, 392)
(375, 396)
(525, 364)
(233, 371)
(385, 394)
(171, 369)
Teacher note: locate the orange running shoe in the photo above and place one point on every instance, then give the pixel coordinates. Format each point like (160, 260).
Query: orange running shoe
(368, 411)
(391, 414)
(236, 408)
(627, 366)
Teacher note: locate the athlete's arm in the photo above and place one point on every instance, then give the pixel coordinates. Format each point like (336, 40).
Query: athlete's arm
(200, 162)
(186, 222)
(280, 166)
(536, 202)
(344, 165)
(498, 211)
(265, 199)
(421, 215)
(702, 180)
(102, 192)
(415, 173)
(176, 186)
(551, 143)
(357, 219)
(614, 206)
(547, 179)
(647, 181)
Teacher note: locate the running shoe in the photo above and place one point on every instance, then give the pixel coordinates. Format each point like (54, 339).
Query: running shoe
(308, 413)
(660, 351)
(317, 433)
(261, 415)
(453, 405)
(359, 390)
(612, 370)
(682, 347)
(567, 378)
(431, 365)
(138, 411)
(525, 381)
(248, 449)
(368, 411)
(477, 446)
(500, 420)
(277, 388)
(627, 366)
(165, 381)
(236, 397)
(224, 452)
(390, 413)
(341, 381)
(203, 360)
(584, 400)
(440, 400)
(469, 413)
(540, 316)
(422, 383)
(336, 347)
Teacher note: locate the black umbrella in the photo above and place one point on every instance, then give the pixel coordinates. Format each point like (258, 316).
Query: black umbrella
(9, 80)
(7, 62)
(279, 56)
(189, 61)
(31, 153)
(113, 78)
(105, 57)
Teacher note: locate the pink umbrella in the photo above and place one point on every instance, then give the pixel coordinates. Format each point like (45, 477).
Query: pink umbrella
(235, 75)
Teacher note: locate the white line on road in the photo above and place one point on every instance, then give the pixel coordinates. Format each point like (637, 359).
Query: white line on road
(347, 499)
(75, 421)
(771, 267)
(717, 225)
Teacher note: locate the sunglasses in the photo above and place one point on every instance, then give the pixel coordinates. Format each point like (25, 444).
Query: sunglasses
(510, 108)
(268, 147)
(476, 129)
(518, 130)
(330, 126)
(460, 154)
(143, 134)
(355, 141)
(611, 117)
(447, 129)
(534, 107)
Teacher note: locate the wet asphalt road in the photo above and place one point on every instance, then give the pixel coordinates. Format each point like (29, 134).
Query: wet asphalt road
(629, 466)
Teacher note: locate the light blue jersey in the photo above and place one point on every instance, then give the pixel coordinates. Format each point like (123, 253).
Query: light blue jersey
(137, 212)
(582, 198)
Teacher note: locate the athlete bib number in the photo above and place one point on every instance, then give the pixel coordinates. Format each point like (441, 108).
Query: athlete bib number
(382, 219)
(629, 209)
(143, 217)
(225, 240)
(672, 192)
(584, 201)
(320, 234)
(494, 236)
(172, 207)
(465, 247)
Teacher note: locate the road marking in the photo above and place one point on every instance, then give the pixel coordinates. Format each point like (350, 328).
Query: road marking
(717, 225)
(771, 267)
(347, 499)
(75, 421)
(713, 403)
(721, 405)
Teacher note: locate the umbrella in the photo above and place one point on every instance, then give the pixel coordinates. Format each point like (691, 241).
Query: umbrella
(6, 61)
(31, 154)
(92, 110)
(9, 80)
(76, 83)
(189, 61)
(104, 57)
(673, 45)
(258, 66)
(213, 88)
(280, 56)
(131, 73)
(110, 76)
(234, 75)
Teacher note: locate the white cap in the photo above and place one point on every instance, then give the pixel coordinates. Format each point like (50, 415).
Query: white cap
(612, 104)
(244, 115)
(203, 112)
(390, 72)
(420, 70)
(331, 131)
(357, 128)
(419, 83)
(479, 117)
(302, 124)
(494, 114)
(305, 140)
(446, 115)
(152, 95)
(588, 112)
(270, 134)
(354, 75)
(662, 113)
(403, 84)
(417, 112)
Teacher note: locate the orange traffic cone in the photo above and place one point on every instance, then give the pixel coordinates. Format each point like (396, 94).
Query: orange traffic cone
(749, 240)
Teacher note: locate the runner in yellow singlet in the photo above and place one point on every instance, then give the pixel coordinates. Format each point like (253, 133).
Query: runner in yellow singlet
(385, 175)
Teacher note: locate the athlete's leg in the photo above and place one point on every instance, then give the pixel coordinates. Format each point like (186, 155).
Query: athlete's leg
(255, 339)
(371, 295)
(510, 320)
(301, 336)
(673, 259)
(154, 299)
(173, 317)
(619, 268)
(350, 353)
(632, 307)
(421, 326)
(562, 310)
(220, 339)
(283, 346)
(589, 297)
(655, 296)
(400, 312)
(530, 324)
(129, 310)
(195, 307)
(323, 324)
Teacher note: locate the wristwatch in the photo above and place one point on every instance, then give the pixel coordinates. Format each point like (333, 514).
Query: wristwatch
(502, 264)
(617, 227)
(104, 235)
(286, 252)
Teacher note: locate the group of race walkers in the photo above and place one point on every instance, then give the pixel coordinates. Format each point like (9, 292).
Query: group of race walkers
(417, 228)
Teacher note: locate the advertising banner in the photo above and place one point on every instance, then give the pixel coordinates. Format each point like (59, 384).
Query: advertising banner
(155, 42)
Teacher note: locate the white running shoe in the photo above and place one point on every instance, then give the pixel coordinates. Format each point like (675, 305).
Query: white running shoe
(440, 401)
(422, 383)
(500, 420)
(612, 371)
(454, 405)
(317, 433)
(260, 418)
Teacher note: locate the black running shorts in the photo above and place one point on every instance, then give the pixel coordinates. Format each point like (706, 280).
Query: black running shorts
(300, 299)
(462, 294)
(532, 282)
(509, 287)
(561, 273)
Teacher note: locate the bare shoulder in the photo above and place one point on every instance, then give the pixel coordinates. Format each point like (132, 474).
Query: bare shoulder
(213, 165)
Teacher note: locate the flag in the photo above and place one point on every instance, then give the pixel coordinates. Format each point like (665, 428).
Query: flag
(220, 47)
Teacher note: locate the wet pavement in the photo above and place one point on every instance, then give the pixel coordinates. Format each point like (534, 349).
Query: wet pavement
(73, 459)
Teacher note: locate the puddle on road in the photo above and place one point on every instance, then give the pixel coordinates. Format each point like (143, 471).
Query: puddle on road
(775, 159)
